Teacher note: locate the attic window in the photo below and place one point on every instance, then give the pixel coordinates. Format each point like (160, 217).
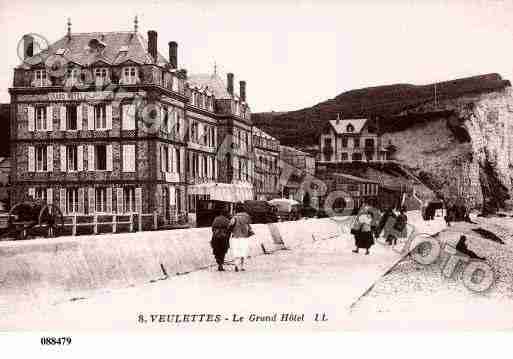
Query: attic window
(97, 45)
(350, 128)
(123, 48)
(60, 51)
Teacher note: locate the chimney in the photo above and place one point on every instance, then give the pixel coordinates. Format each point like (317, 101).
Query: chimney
(338, 118)
(229, 78)
(242, 90)
(173, 57)
(28, 46)
(152, 44)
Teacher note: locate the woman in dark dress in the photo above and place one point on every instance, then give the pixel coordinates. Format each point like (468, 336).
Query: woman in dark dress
(363, 233)
(383, 220)
(221, 231)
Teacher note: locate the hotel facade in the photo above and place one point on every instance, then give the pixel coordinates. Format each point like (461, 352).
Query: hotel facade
(102, 123)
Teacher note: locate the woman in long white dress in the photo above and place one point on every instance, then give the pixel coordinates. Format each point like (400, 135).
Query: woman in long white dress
(239, 242)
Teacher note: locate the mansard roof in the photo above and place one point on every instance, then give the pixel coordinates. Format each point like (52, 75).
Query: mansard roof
(213, 82)
(115, 48)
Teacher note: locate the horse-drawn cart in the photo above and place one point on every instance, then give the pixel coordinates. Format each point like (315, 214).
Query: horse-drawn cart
(34, 215)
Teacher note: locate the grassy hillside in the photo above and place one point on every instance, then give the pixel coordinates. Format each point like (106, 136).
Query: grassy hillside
(302, 127)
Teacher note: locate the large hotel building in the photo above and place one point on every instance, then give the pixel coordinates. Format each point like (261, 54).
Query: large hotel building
(103, 123)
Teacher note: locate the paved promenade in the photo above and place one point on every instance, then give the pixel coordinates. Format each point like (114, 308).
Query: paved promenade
(318, 278)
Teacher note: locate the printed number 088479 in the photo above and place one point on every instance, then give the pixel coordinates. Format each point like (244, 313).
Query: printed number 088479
(55, 341)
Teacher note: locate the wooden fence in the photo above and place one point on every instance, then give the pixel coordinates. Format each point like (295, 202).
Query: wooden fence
(115, 223)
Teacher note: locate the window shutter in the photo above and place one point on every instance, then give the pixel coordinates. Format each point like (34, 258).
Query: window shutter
(171, 120)
(92, 200)
(133, 117)
(49, 158)
(49, 195)
(80, 112)
(124, 117)
(31, 159)
(162, 115)
(109, 117)
(108, 205)
(90, 117)
(214, 164)
(49, 118)
(90, 157)
(170, 156)
(172, 193)
(80, 158)
(182, 160)
(109, 157)
(128, 117)
(32, 192)
(63, 117)
(176, 156)
(30, 118)
(128, 158)
(138, 199)
(124, 154)
(81, 200)
(63, 158)
(162, 159)
(119, 199)
(202, 166)
(62, 200)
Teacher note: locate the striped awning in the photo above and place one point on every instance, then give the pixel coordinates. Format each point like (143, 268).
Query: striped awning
(229, 192)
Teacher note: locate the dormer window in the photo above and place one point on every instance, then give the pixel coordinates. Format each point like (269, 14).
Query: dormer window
(73, 76)
(350, 128)
(174, 84)
(40, 78)
(202, 101)
(192, 98)
(236, 107)
(101, 75)
(209, 103)
(130, 75)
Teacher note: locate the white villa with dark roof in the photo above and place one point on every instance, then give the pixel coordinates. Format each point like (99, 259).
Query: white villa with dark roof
(351, 140)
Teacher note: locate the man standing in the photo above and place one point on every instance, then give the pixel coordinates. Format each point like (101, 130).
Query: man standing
(220, 237)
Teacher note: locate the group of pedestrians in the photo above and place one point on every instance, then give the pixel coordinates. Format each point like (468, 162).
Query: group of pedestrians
(370, 223)
(231, 233)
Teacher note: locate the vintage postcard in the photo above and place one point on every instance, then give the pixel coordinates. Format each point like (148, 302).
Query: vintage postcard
(287, 166)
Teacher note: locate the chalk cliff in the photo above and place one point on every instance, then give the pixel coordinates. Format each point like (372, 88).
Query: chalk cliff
(464, 151)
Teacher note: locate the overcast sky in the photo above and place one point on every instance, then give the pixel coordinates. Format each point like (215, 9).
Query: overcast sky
(293, 54)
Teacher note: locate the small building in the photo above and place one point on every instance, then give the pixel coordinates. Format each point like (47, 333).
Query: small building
(298, 159)
(361, 190)
(295, 165)
(351, 140)
(267, 172)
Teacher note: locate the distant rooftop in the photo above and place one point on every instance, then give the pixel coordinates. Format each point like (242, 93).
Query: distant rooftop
(259, 132)
(348, 125)
(354, 178)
